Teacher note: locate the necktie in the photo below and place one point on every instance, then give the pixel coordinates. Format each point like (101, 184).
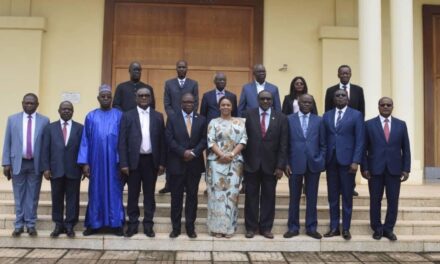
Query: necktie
(188, 124)
(29, 138)
(304, 125)
(263, 124)
(386, 129)
(220, 95)
(181, 82)
(65, 132)
(344, 87)
(338, 120)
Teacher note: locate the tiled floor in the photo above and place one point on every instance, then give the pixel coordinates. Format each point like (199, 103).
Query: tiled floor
(37, 256)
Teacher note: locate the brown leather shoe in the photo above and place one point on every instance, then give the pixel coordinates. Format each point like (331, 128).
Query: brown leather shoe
(267, 234)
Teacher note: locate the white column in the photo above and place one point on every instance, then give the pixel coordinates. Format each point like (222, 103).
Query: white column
(370, 53)
(402, 72)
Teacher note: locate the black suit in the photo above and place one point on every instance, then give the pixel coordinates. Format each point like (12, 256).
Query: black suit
(210, 108)
(125, 95)
(356, 98)
(143, 167)
(262, 156)
(60, 160)
(185, 174)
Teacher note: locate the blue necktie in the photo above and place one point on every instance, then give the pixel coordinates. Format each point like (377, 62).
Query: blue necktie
(338, 120)
(304, 125)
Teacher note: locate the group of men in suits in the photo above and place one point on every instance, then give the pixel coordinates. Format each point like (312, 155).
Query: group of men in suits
(301, 146)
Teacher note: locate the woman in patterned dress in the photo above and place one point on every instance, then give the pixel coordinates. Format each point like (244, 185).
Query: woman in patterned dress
(226, 139)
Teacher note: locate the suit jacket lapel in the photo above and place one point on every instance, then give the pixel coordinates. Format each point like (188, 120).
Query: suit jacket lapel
(272, 120)
(37, 126)
(19, 121)
(298, 126)
(183, 124)
(137, 121)
(378, 125)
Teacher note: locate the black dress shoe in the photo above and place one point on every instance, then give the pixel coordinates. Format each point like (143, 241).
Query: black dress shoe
(131, 231)
(267, 234)
(314, 234)
(149, 232)
(191, 234)
(89, 231)
(164, 190)
(377, 235)
(332, 233)
(174, 233)
(57, 231)
(346, 234)
(390, 235)
(249, 234)
(355, 193)
(70, 233)
(32, 231)
(290, 234)
(17, 232)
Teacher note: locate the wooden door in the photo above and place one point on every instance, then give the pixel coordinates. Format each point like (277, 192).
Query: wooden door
(431, 50)
(210, 37)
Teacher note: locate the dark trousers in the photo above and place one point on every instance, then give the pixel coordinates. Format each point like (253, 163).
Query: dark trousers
(340, 182)
(259, 206)
(146, 175)
(295, 187)
(376, 185)
(68, 189)
(178, 182)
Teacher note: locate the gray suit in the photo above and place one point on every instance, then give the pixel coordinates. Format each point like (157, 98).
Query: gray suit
(173, 93)
(26, 174)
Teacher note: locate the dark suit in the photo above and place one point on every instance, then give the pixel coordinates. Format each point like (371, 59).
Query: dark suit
(143, 167)
(385, 161)
(125, 95)
(210, 108)
(306, 158)
(185, 174)
(356, 98)
(262, 156)
(60, 159)
(173, 93)
(287, 108)
(249, 97)
(345, 144)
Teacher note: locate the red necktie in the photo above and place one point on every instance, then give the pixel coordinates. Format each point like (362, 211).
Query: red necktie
(386, 129)
(65, 132)
(263, 124)
(29, 138)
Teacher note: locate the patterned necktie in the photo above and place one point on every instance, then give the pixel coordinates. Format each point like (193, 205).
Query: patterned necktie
(65, 132)
(338, 120)
(29, 138)
(263, 124)
(181, 82)
(386, 129)
(345, 89)
(188, 124)
(304, 125)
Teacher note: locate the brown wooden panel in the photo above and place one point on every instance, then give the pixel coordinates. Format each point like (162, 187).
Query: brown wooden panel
(157, 78)
(436, 43)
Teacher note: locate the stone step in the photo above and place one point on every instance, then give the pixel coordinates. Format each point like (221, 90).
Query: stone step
(281, 212)
(281, 199)
(163, 225)
(204, 242)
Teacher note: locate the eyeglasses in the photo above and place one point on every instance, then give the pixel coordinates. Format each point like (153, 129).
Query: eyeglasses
(143, 95)
(265, 99)
(386, 105)
(340, 95)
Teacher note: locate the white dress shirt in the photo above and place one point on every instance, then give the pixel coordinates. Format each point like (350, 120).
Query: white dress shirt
(341, 86)
(267, 117)
(337, 113)
(382, 120)
(295, 106)
(260, 87)
(144, 118)
(68, 129)
(25, 123)
(181, 82)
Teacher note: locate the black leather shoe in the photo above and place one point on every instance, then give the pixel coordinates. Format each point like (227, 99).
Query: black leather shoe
(390, 235)
(32, 231)
(70, 233)
(191, 234)
(57, 231)
(355, 193)
(249, 234)
(267, 234)
(377, 235)
(89, 231)
(17, 232)
(131, 231)
(346, 234)
(174, 233)
(164, 190)
(332, 233)
(314, 234)
(290, 234)
(149, 232)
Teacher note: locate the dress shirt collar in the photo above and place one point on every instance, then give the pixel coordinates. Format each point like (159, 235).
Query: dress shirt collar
(341, 86)
(142, 111)
(301, 114)
(69, 122)
(268, 111)
(343, 110)
(382, 119)
(180, 80)
(185, 114)
(25, 116)
(217, 91)
(258, 84)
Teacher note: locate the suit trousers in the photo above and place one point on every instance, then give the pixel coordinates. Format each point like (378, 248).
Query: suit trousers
(259, 209)
(311, 181)
(376, 186)
(26, 187)
(178, 182)
(65, 188)
(340, 182)
(145, 175)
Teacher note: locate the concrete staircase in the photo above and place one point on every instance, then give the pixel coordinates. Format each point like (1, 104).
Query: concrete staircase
(418, 226)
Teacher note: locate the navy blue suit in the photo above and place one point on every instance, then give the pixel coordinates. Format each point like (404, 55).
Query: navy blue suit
(249, 97)
(185, 174)
(345, 145)
(306, 158)
(385, 161)
(210, 108)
